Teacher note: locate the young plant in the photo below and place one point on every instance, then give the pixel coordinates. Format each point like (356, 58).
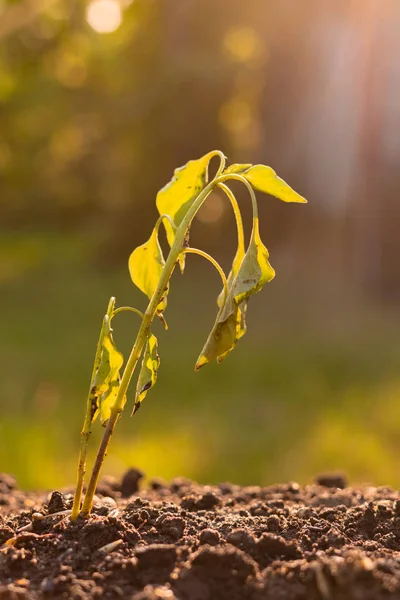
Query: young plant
(177, 203)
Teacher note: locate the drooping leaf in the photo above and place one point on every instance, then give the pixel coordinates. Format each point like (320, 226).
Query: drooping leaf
(146, 264)
(255, 270)
(238, 168)
(106, 381)
(148, 372)
(265, 180)
(241, 324)
(229, 327)
(175, 198)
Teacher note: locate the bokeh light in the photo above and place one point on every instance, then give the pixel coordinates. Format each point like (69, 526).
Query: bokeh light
(242, 44)
(104, 16)
(212, 210)
(235, 115)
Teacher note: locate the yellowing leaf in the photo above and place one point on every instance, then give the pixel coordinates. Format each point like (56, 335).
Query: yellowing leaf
(251, 275)
(255, 270)
(238, 168)
(148, 372)
(265, 180)
(241, 323)
(229, 327)
(146, 264)
(175, 198)
(106, 380)
(107, 400)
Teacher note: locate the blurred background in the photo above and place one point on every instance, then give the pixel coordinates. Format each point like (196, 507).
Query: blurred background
(99, 101)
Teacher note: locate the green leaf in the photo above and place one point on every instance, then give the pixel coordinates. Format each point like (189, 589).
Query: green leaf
(148, 372)
(106, 381)
(175, 198)
(146, 264)
(255, 270)
(238, 168)
(265, 180)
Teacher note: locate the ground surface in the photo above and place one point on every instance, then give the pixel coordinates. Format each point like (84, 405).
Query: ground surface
(190, 542)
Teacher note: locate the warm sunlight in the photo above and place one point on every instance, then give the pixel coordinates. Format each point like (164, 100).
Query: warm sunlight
(104, 16)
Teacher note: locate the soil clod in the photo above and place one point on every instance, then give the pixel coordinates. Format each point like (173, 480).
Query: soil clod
(131, 482)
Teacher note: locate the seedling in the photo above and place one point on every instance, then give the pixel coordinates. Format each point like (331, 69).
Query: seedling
(177, 203)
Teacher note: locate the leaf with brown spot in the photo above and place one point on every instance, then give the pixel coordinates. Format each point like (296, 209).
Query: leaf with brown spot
(106, 381)
(148, 372)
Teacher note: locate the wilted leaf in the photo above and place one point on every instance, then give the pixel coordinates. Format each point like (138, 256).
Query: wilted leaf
(265, 180)
(175, 198)
(241, 323)
(148, 372)
(255, 270)
(229, 327)
(146, 264)
(106, 381)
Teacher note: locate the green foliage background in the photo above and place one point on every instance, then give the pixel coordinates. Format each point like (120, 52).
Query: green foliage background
(301, 393)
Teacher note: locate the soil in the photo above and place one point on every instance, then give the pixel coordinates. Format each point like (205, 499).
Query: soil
(185, 541)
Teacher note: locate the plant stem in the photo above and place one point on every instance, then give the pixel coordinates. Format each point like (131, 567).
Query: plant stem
(128, 309)
(237, 213)
(86, 429)
(214, 263)
(238, 177)
(137, 349)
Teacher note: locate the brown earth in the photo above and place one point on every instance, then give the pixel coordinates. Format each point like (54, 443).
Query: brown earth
(185, 541)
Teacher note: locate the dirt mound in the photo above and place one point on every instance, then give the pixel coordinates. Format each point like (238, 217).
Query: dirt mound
(185, 541)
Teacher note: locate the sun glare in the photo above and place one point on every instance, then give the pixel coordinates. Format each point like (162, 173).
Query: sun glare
(104, 16)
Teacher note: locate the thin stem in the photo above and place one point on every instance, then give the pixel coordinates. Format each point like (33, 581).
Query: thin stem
(221, 167)
(163, 217)
(213, 262)
(87, 423)
(130, 309)
(239, 177)
(236, 212)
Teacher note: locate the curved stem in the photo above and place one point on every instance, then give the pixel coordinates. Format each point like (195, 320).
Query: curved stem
(222, 158)
(238, 177)
(213, 262)
(161, 218)
(130, 309)
(236, 212)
